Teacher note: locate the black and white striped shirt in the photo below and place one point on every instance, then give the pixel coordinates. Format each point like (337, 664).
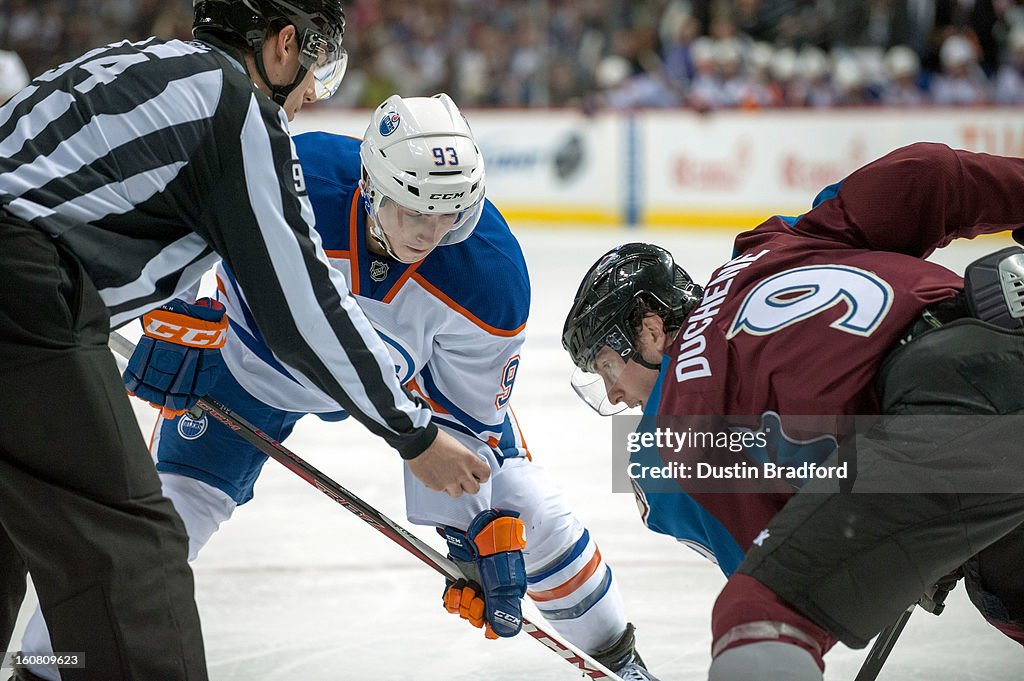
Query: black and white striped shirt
(152, 160)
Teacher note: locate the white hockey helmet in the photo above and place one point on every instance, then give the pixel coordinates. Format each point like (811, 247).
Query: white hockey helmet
(419, 152)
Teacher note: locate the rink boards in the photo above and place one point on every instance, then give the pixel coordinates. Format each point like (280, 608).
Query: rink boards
(684, 169)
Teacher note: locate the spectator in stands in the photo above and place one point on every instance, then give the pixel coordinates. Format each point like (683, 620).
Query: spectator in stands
(850, 82)
(782, 89)
(1010, 79)
(624, 89)
(677, 53)
(976, 19)
(759, 60)
(903, 86)
(507, 53)
(706, 87)
(734, 85)
(812, 86)
(962, 82)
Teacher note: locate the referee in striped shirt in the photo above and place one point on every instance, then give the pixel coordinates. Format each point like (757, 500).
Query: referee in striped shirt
(124, 175)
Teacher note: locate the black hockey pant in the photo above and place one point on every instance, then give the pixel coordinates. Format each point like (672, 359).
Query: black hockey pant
(80, 501)
(953, 494)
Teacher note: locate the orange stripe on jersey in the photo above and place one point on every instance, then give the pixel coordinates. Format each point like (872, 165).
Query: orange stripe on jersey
(522, 438)
(415, 387)
(401, 281)
(339, 255)
(221, 288)
(353, 239)
(568, 587)
(436, 292)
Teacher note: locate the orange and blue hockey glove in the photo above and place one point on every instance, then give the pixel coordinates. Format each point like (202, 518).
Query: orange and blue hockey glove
(490, 553)
(177, 360)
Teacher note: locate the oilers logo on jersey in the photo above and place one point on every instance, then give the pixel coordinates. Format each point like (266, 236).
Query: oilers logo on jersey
(190, 428)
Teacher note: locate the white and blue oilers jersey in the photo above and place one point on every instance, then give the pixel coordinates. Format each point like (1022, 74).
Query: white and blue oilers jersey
(454, 321)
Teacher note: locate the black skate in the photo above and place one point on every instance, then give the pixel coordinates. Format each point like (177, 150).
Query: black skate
(622, 658)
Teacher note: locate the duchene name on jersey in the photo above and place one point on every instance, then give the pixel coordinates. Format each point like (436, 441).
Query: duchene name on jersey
(690, 360)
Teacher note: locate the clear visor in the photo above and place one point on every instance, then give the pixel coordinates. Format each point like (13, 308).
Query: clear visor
(602, 365)
(327, 61)
(393, 216)
(398, 220)
(593, 390)
(328, 76)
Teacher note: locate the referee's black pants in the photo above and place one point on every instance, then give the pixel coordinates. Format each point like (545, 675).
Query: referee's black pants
(80, 502)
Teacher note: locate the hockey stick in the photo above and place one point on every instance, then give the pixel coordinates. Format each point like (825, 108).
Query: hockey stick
(879, 652)
(370, 515)
(933, 601)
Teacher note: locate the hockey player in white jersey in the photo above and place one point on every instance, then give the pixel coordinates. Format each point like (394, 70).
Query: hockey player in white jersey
(402, 215)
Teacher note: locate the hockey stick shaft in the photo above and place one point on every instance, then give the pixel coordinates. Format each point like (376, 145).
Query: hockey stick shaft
(884, 643)
(368, 514)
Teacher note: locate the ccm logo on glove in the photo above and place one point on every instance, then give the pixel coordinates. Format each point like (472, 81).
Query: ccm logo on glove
(511, 619)
(178, 359)
(166, 325)
(490, 554)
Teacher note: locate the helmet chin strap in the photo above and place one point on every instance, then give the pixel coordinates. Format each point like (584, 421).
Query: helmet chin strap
(644, 363)
(279, 93)
(381, 238)
(376, 231)
(633, 355)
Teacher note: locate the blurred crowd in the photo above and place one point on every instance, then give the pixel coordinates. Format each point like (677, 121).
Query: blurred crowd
(704, 54)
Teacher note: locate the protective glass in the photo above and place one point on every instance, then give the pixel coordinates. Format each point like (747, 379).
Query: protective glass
(328, 62)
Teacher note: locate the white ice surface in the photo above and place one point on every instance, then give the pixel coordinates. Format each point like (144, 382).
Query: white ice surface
(294, 587)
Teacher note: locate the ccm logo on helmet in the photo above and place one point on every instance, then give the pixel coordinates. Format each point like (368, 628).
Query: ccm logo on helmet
(446, 197)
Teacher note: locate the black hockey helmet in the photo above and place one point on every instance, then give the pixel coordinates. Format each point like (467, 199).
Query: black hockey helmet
(319, 27)
(625, 284)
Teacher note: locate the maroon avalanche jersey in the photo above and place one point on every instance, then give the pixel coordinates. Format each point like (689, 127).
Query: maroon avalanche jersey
(799, 322)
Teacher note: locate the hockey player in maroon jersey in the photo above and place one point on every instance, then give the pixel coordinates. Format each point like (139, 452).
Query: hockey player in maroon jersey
(836, 314)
